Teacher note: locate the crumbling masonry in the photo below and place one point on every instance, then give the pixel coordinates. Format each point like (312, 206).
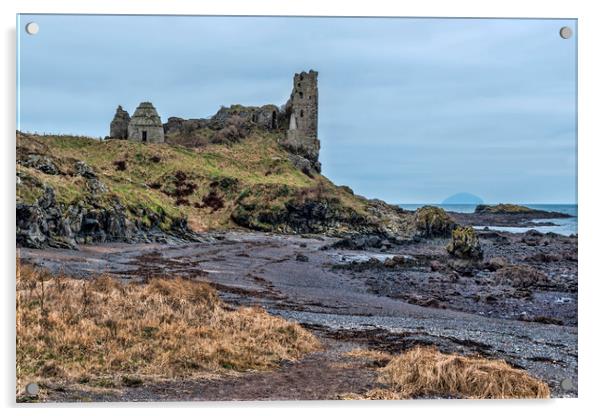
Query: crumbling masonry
(296, 122)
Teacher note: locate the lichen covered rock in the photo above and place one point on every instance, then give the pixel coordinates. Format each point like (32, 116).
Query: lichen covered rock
(465, 244)
(432, 222)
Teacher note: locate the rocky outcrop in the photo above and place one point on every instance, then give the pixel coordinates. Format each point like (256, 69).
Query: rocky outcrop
(42, 163)
(317, 216)
(465, 244)
(433, 222)
(502, 209)
(318, 211)
(520, 276)
(47, 223)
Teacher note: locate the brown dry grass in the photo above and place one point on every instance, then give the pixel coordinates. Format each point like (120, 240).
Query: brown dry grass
(427, 372)
(74, 330)
(369, 355)
(374, 394)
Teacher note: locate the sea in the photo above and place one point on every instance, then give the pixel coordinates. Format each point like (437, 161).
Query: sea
(564, 226)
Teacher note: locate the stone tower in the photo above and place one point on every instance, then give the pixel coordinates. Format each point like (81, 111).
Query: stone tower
(145, 125)
(302, 108)
(304, 103)
(119, 125)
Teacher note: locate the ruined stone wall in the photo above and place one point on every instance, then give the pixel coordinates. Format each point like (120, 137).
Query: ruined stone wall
(119, 125)
(296, 124)
(154, 134)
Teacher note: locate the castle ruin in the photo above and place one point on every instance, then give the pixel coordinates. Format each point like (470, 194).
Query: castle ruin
(296, 123)
(144, 126)
(302, 109)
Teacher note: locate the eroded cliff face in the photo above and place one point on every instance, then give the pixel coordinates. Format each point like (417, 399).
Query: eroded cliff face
(95, 218)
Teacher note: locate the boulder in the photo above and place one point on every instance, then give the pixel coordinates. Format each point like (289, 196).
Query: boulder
(82, 169)
(520, 276)
(432, 222)
(42, 163)
(465, 244)
(359, 242)
(496, 263)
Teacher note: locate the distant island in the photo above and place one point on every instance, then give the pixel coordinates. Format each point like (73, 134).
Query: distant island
(462, 198)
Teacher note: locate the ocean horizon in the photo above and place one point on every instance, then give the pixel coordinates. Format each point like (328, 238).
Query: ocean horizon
(564, 226)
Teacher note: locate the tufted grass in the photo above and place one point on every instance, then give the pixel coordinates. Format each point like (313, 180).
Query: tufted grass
(102, 332)
(426, 372)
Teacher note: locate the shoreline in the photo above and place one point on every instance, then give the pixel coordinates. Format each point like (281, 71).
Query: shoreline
(339, 295)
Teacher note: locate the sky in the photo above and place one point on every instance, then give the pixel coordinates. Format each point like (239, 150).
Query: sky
(410, 110)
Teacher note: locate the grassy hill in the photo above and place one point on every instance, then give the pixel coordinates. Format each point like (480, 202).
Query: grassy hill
(250, 184)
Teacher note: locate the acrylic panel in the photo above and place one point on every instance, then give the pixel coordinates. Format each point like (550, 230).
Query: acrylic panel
(295, 208)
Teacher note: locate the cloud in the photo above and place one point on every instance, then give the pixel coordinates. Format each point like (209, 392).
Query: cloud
(411, 110)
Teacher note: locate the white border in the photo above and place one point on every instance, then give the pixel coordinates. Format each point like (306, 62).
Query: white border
(590, 205)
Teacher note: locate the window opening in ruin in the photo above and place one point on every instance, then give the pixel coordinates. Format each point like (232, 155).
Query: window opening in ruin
(300, 94)
(273, 119)
(301, 114)
(144, 136)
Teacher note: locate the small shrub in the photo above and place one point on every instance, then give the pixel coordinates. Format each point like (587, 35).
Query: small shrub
(213, 201)
(130, 381)
(120, 165)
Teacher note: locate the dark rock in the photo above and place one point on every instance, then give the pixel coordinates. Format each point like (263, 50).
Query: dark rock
(82, 169)
(42, 163)
(495, 263)
(359, 242)
(301, 257)
(399, 261)
(47, 223)
(465, 267)
(30, 226)
(543, 258)
(541, 319)
(520, 276)
(503, 209)
(436, 265)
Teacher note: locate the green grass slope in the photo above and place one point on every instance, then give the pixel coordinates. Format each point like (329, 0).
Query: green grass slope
(251, 183)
